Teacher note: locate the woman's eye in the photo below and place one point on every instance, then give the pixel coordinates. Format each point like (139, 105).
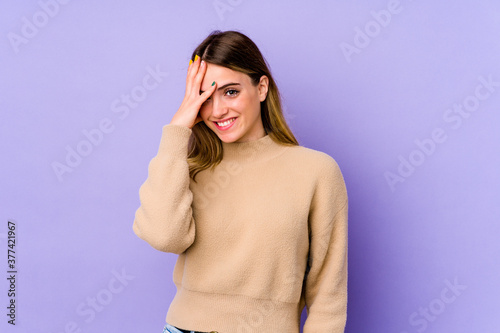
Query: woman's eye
(231, 92)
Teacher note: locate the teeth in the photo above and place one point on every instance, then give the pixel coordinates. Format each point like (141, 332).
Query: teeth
(227, 122)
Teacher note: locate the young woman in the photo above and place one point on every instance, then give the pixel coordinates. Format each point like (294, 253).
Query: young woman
(259, 222)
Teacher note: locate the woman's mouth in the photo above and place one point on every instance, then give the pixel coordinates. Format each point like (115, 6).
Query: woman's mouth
(225, 125)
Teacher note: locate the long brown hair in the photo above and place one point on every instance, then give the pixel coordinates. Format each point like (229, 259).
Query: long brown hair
(234, 50)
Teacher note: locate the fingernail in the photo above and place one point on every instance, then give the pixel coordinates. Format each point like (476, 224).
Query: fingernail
(203, 62)
(213, 83)
(196, 58)
(190, 62)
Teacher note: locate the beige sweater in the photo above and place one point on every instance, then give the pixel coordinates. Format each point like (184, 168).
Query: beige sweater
(243, 233)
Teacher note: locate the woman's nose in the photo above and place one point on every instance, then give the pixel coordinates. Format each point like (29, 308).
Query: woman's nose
(219, 108)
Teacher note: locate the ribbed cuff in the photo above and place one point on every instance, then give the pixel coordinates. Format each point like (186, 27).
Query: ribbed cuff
(174, 140)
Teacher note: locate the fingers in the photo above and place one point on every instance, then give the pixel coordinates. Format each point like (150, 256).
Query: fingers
(193, 100)
(199, 76)
(196, 73)
(208, 93)
(191, 74)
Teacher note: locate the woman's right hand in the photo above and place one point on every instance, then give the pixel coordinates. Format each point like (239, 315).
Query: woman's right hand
(188, 113)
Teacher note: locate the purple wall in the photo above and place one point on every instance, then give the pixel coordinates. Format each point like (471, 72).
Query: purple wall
(405, 95)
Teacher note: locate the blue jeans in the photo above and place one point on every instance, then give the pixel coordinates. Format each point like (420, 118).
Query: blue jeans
(172, 329)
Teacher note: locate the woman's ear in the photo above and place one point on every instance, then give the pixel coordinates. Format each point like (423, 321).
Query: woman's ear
(263, 87)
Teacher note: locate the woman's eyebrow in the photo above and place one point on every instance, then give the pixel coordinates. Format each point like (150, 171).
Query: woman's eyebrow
(224, 86)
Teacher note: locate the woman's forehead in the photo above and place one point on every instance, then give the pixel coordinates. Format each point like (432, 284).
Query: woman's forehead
(223, 75)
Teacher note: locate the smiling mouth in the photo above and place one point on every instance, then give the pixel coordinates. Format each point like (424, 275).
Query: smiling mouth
(225, 123)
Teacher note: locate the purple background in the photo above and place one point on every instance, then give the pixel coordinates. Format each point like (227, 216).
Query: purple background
(407, 243)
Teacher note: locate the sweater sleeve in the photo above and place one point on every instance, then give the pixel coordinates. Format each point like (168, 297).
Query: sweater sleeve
(326, 277)
(164, 218)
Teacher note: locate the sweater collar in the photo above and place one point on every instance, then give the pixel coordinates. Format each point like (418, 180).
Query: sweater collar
(261, 149)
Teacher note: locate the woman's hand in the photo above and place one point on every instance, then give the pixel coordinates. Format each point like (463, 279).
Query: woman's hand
(188, 113)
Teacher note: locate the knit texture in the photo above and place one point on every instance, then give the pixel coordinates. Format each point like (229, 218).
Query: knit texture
(258, 238)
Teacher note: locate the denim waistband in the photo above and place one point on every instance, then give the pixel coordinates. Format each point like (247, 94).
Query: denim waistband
(172, 329)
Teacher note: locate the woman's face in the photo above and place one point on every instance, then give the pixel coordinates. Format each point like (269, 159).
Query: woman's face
(233, 110)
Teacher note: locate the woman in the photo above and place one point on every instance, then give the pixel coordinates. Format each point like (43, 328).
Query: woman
(258, 221)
